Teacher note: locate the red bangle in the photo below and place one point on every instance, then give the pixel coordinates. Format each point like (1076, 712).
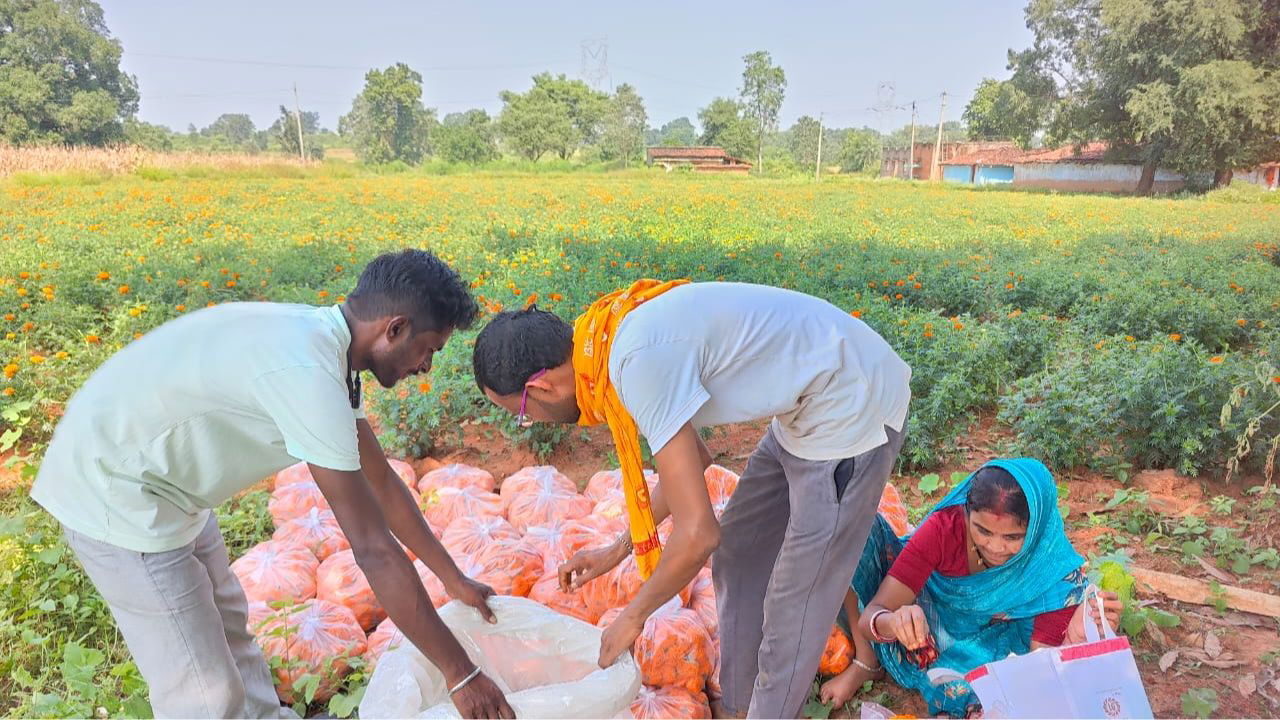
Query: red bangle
(875, 634)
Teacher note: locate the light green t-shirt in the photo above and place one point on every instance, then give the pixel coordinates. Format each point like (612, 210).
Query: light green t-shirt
(195, 411)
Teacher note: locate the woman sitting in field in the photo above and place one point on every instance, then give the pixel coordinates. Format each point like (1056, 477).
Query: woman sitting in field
(990, 572)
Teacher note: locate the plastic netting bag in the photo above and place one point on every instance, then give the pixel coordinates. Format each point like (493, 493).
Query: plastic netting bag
(615, 588)
(721, 482)
(894, 511)
(537, 477)
(673, 649)
(702, 600)
(317, 530)
(612, 505)
(296, 473)
(340, 580)
(314, 638)
(549, 540)
(547, 591)
(837, 654)
(654, 703)
(543, 504)
(386, 637)
(275, 571)
(458, 476)
(544, 662)
(510, 567)
(471, 533)
(604, 481)
(443, 505)
(292, 501)
(588, 533)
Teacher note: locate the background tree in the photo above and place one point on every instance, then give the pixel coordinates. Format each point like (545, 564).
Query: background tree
(467, 138)
(60, 77)
(624, 125)
(677, 133)
(763, 87)
(284, 132)
(148, 135)
(534, 123)
(1182, 85)
(387, 121)
(1000, 110)
(802, 142)
(231, 131)
(861, 151)
(724, 126)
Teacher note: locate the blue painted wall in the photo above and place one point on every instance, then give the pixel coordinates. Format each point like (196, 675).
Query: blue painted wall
(994, 174)
(956, 173)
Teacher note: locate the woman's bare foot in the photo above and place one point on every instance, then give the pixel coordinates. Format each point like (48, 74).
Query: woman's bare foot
(840, 689)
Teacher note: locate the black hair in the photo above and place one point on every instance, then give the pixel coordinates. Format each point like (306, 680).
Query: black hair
(994, 490)
(417, 285)
(518, 343)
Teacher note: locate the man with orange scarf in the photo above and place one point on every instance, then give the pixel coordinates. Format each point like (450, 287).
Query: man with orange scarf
(665, 359)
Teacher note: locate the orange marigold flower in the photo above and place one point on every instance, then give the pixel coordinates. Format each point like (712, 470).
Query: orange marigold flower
(1008, 286)
(917, 286)
(28, 326)
(958, 325)
(556, 297)
(10, 370)
(25, 306)
(856, 313)
(900, 283)
(180, 308)
(1216, 359)
(24, 274)
(124, 289)
(928, 333)
(61, 355)
(897, 296)
(1176, 337)
(8, 391)
(424, 387)
(10, 317)
(1242, 322)
(22, 292)
(1129, 338)
(92, 339)
(37, 359)
(1276, 379)
(777, 256)
(871, 284)
(231, 283)
(323, 294)
(204, 283)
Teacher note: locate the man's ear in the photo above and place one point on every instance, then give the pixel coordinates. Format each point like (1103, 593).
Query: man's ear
(543, 383)
(396, 327)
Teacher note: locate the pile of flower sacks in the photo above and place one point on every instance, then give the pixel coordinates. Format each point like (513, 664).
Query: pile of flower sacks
(312, 610)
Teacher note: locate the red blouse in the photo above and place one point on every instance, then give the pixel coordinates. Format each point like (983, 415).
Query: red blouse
(940, 546)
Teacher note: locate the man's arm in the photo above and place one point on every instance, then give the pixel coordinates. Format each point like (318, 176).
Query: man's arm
(695, 535)
(658, 500)
(399, 589)
(403, 516)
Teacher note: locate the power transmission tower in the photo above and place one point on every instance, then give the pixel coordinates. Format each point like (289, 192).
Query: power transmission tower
(595, 63)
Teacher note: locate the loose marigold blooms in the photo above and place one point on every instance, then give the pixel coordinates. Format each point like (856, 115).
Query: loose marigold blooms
(1216, 359)
(10, 370)
(92, 339)
(124, 289)
(1176, 337)
(8, 391)
(1242, 322)
(424, 388)
(10, 317)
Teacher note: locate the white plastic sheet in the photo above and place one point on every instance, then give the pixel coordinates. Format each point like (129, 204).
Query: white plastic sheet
(543, 661)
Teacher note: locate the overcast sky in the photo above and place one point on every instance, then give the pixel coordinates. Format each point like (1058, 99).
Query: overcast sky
(856, 62)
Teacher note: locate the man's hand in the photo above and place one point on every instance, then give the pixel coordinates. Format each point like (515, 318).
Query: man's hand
(473, 593)
(619, 637)
(480, 698)
(587, 565)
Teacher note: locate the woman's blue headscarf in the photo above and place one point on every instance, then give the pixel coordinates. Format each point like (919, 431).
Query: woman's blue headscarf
(976, 619)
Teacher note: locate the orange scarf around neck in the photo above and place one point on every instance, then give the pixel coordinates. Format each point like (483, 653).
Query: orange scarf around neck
(598, 401)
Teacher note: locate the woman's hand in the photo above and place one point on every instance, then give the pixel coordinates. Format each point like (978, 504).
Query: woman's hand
(1110, 602)
(908, 626)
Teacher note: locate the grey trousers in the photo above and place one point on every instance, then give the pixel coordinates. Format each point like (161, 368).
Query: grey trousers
(182, 614)
(787, 553)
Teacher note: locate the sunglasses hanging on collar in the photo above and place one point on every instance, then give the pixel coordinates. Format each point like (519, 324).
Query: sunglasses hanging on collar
(353, 389)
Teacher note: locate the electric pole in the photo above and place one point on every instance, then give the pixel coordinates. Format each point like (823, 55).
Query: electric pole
(297, 116)
(937, 148)
(911, 149)
(817, 169)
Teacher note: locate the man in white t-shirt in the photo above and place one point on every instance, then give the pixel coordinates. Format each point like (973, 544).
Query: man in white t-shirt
(789, 539)
(210, 403)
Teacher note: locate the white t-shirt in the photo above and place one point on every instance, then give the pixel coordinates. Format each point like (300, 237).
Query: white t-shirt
(195, 411)
(715, 353)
